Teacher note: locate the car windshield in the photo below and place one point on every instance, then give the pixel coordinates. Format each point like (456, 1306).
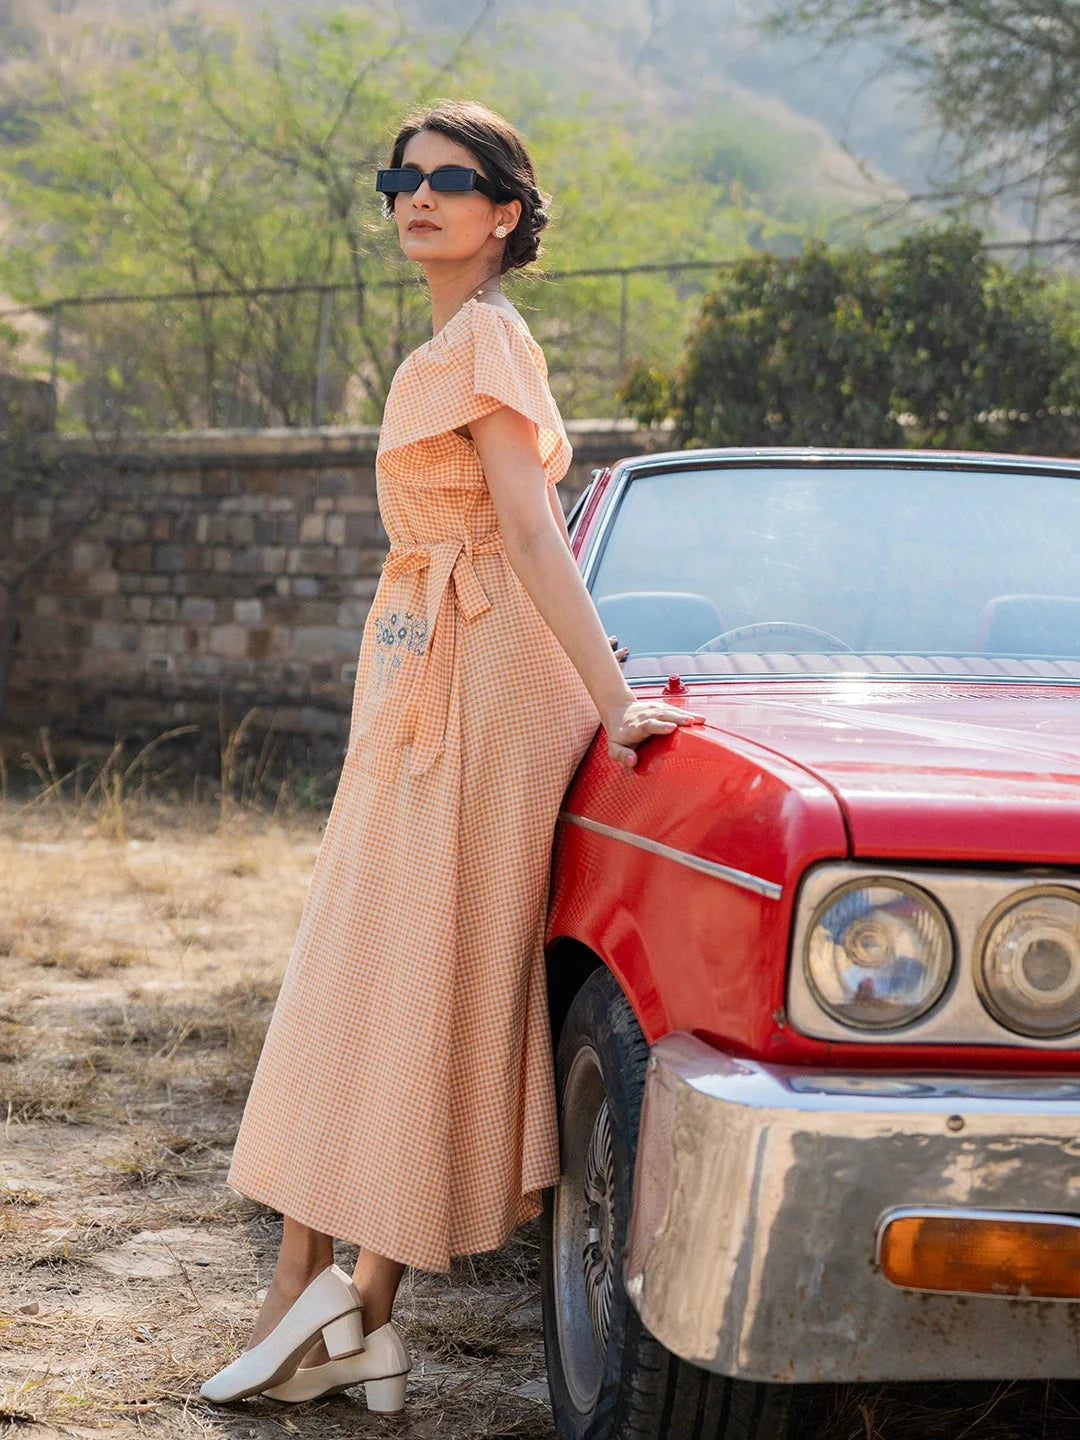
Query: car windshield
(796, 569)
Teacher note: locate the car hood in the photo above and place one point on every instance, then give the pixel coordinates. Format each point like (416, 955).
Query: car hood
(927, 770)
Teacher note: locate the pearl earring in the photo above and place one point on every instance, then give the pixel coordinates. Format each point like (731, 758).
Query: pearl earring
(500, 231)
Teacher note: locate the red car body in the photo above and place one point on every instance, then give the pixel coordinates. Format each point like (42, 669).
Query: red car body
(683, 877)
(837, 769)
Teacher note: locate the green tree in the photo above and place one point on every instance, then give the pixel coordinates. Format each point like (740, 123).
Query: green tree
(930, 344)
(1001, 75)
(201, 157)
(978, 357)
(204, 159)
(789, 351)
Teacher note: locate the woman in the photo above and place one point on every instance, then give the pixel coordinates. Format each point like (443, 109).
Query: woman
(404, 1098)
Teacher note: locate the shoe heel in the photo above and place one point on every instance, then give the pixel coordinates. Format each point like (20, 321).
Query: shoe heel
(345, 1335)
(385, 1395)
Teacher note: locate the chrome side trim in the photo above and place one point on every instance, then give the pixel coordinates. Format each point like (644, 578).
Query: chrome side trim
(742, 878)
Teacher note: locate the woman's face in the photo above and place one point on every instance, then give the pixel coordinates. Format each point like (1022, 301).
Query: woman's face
(438, 225)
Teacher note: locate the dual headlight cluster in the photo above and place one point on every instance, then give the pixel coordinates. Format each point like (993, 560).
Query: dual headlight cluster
(880, 953)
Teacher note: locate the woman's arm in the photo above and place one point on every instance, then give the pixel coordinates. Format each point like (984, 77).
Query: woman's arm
(537, 548)
(560, 520)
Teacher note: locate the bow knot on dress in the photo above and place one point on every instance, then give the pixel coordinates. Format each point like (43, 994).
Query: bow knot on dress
(452, 586)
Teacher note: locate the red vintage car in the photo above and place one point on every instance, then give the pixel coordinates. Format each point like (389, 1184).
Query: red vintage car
(814, 967)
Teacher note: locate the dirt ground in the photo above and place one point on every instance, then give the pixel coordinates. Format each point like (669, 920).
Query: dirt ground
(138, 976)
(140, 954)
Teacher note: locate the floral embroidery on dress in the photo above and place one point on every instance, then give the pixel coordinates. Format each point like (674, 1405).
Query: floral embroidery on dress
(397, 632)
(395, 635)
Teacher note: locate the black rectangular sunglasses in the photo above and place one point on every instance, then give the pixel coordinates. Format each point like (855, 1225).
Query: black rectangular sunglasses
(447, 177)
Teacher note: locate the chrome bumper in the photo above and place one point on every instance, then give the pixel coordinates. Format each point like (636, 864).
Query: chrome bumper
(757, 1196)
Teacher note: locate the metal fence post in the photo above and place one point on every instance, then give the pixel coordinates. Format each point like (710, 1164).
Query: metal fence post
(320, 361)
(624, 318)
(54, 349)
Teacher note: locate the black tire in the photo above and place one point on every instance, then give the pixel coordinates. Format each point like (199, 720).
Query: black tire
(609, 1378)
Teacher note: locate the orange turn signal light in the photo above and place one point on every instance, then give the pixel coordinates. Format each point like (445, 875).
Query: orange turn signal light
(982, 1253)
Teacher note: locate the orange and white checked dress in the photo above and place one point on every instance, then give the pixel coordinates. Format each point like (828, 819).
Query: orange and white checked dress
(404, 1097)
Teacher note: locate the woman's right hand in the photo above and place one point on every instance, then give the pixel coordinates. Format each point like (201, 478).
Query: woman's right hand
(628, 725)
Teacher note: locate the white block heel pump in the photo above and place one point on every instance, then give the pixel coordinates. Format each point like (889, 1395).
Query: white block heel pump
(385, 1395)
(343, 1336)
(381, 1367)
(330, 1303)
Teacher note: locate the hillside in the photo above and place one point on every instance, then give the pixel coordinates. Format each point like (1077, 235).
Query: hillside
(700, 153)
(786, 122)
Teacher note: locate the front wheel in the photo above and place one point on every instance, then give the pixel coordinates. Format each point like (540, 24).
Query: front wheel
(609, 1378)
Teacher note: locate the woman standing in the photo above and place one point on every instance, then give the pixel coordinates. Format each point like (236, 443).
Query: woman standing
(404, 1098)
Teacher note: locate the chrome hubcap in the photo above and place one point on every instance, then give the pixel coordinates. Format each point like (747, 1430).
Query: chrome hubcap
(599, 1200)
(583, 1235)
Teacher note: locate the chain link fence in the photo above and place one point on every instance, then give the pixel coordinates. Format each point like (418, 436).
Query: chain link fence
(315, 354)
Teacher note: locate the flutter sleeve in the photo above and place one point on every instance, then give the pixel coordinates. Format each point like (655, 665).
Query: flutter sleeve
(482, 359)
(509, 369)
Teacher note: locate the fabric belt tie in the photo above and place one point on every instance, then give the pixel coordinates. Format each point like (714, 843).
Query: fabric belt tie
(452, 585)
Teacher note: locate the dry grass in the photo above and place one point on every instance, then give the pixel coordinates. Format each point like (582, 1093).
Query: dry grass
(142, 945)
(1014, 1410)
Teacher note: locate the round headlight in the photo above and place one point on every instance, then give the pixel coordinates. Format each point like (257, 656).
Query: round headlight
(878, 953)
(1028, 971)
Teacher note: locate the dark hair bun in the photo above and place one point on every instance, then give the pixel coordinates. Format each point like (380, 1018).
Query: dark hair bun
(523, 242)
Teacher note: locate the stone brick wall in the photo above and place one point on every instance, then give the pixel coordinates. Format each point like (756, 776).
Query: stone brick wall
(226, 570)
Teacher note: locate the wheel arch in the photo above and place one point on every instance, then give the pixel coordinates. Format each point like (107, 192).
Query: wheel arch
(569, 964)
